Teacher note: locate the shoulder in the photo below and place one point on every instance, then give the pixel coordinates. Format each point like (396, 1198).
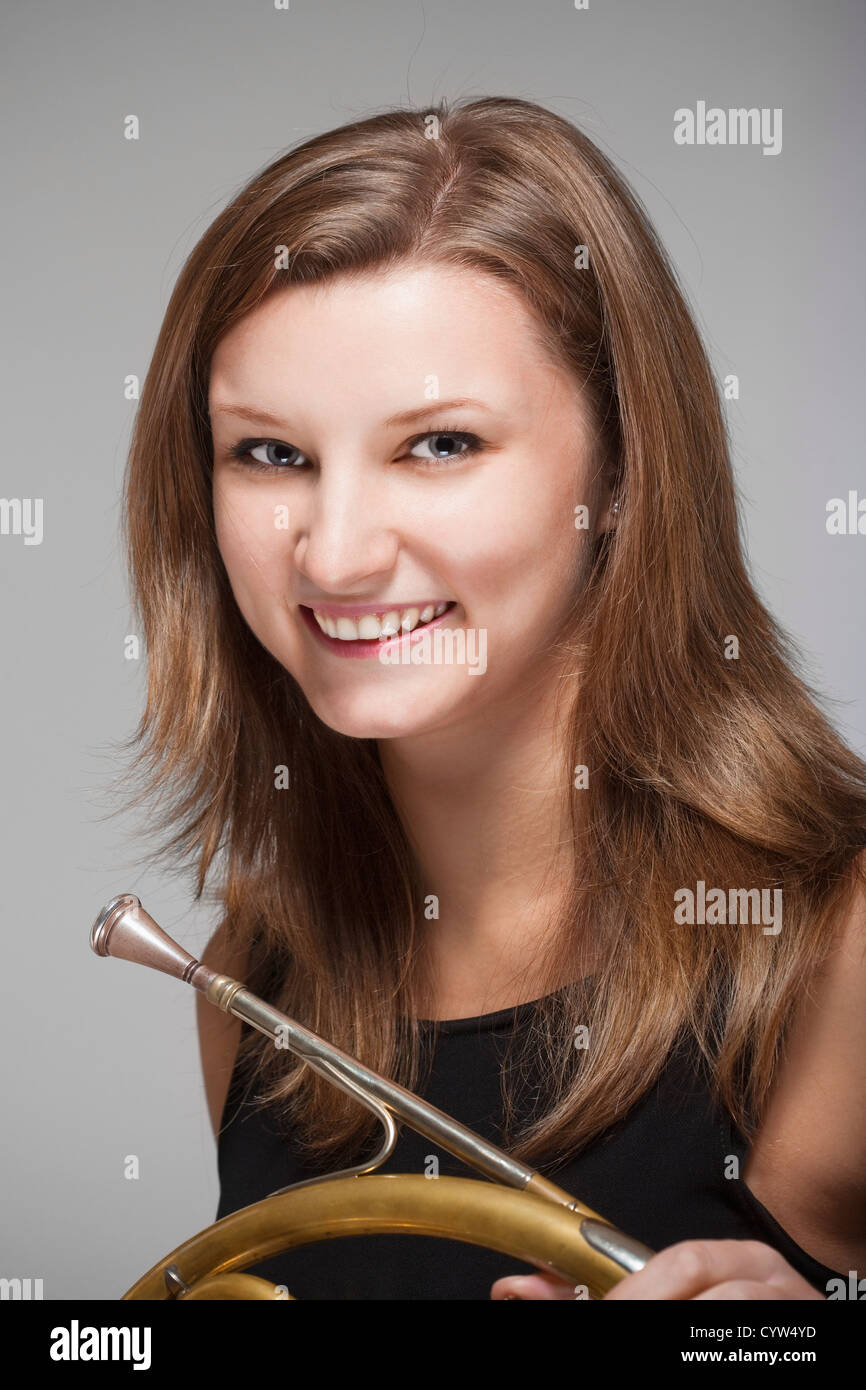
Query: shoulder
(218, 1033)
(807, 1164)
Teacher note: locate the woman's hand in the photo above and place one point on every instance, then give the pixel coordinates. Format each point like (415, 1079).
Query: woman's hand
(696, 1269)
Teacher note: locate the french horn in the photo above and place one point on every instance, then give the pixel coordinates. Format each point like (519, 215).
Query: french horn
(518, 1212)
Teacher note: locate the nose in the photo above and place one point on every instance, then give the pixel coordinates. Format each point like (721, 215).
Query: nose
(346, 540)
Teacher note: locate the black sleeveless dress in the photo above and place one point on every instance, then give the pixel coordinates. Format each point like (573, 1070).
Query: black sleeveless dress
(658, 1174)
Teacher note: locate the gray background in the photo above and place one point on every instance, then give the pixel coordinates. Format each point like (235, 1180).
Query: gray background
(100, 1058)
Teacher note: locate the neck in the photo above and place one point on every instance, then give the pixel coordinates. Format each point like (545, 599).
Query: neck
(486, 811)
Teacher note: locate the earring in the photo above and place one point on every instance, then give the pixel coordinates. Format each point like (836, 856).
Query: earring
(615, 507)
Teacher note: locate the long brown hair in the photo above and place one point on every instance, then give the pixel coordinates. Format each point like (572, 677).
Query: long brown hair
(700, 767)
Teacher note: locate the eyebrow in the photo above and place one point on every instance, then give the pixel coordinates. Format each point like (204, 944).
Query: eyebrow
(403, 417)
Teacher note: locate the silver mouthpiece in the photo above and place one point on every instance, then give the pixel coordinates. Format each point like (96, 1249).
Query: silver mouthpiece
(126, 930)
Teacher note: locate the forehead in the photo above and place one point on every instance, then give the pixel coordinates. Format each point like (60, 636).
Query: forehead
(385, 331)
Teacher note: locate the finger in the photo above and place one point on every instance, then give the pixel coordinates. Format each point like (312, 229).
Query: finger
(738, 1289)
(532, 1286)
(744, 1288)
(688, 1268)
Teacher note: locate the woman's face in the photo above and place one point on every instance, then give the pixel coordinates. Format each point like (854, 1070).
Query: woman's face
(373, 485)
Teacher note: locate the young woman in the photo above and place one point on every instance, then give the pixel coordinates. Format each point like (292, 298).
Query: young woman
(457, 676)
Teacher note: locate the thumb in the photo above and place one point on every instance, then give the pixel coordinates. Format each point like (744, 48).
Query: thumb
(532, 1286)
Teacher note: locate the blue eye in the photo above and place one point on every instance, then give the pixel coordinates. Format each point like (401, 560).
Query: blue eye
(280, 464)
(272, 456)
(471, 441)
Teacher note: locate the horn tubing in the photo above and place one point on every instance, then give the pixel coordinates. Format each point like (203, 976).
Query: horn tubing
(126, 930)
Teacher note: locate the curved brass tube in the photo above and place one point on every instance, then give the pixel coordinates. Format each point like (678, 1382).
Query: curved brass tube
(526, 1227)
(225, 1286)
(520, 1212)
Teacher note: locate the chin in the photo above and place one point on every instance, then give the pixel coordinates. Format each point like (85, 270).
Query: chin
(370, 715)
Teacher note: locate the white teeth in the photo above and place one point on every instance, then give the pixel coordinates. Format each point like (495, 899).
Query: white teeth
(410, 619)
(373, 625)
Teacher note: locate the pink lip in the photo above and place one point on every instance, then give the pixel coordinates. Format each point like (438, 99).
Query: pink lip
(360, 610)
(371, 647)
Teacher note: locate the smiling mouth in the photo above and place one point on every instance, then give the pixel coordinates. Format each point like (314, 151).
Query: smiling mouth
(372, 627)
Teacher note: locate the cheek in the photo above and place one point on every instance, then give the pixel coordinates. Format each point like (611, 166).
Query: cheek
(518, 550)
(253, 549)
